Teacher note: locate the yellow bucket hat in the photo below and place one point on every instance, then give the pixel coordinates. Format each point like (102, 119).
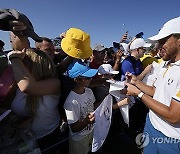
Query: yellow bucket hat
(76, 43)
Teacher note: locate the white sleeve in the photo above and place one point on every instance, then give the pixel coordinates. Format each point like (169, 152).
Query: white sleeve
(176, 95)
(72, 110)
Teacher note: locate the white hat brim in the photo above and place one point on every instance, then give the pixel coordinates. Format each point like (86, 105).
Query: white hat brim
(114, 72)
(147, 45)
(158, 37)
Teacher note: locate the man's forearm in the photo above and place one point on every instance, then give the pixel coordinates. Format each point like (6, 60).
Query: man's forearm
(166, 112)
(149, 90)
(21, 74)
(116, 65)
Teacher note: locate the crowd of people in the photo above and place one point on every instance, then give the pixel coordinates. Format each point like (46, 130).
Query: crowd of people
(50, 88)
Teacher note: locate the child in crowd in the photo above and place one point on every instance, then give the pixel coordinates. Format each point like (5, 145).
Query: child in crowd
(79, 106)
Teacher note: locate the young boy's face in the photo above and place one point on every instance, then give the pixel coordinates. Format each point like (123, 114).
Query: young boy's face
(83, 81)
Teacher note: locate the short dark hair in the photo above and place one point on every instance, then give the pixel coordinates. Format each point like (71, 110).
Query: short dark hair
(38, 44)
(176, 36)
(47, 39)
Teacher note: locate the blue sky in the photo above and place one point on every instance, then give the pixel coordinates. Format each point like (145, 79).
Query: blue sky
(104, 20)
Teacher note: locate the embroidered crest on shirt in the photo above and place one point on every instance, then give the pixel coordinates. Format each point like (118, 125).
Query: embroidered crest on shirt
(170, 80)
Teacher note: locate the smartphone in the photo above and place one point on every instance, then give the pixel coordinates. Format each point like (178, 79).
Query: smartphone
(117, 46)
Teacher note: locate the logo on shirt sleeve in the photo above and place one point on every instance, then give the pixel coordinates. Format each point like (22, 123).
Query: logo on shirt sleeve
(178, 94)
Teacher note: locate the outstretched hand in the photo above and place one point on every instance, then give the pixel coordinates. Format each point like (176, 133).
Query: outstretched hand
(17, 54)
(130, 78)
(148, 68)
(17, 27)
(119, 54)
(63, 35)
(90, 118)
(132, 90)
(124, 37)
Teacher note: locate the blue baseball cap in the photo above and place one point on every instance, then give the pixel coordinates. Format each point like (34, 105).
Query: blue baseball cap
(79, 68)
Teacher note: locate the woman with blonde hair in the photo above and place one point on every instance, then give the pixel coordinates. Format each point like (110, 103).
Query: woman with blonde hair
(38, 93)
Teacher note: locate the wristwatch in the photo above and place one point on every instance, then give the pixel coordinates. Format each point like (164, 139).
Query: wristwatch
(140, 95)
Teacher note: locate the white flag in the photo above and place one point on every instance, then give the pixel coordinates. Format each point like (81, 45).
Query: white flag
(114, 90)
(103, 116)
(125, 108)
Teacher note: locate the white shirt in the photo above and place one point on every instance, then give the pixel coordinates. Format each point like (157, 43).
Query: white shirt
(77, 106)
(151, 76)
(47, 118)
(167, 88)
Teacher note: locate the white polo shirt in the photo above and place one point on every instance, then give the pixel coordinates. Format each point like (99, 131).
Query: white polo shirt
(167, 88)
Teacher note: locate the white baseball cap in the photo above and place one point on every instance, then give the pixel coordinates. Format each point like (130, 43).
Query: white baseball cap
(170, 27)
(126, 48)
(106, 69)
(98, 47)
(139, 42)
